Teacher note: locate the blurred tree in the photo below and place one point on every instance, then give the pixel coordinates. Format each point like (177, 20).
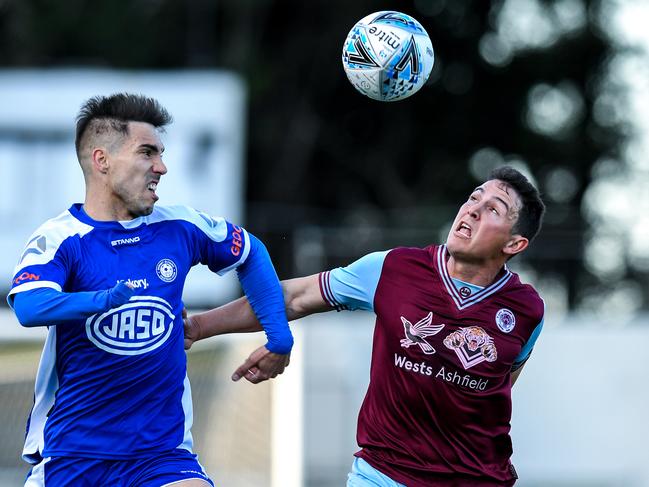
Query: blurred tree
(372, 174)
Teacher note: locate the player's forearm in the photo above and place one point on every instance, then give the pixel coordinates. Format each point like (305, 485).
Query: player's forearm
(262, 288)
(301, 298)
(234, 317)
(46, 306)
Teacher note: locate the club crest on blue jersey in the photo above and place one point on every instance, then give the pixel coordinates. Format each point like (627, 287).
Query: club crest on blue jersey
(472, 345)
(139, 326)
(505, 320)
(416, 334)
(166, 270)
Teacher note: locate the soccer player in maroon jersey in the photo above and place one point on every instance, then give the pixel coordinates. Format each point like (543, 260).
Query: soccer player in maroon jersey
(454, 327)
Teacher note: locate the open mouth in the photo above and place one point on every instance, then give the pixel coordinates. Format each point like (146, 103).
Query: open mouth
(152, 186)
(464, 229)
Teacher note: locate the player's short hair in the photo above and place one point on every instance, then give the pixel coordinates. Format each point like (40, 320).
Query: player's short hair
(101, 114)
(530, 216)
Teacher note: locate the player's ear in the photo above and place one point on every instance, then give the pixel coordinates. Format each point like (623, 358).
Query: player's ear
(515, 245)
(100, 160)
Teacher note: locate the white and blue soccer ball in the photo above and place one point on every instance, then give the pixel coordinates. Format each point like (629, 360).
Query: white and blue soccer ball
(388, 56)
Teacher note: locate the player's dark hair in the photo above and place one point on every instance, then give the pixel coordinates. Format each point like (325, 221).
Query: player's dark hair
(530, 216)
(114, 112)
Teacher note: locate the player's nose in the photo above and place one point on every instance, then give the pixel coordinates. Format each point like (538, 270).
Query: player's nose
(474, 211)
(159, 167)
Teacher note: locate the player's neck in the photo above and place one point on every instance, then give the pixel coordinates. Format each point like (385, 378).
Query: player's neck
(102, 210)
(480, 274)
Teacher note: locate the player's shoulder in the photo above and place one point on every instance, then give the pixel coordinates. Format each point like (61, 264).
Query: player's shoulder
(61, 227)
(419, 255)
(173, 212)
(407, 263)
(44, 243)
(413, 252)
(527, 295)
(184, 213)
(216, 227)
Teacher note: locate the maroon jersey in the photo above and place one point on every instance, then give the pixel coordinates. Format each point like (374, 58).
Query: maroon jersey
(438, 406)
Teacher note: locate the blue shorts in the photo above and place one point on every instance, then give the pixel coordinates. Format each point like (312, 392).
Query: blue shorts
(364, 475)
(156, 471)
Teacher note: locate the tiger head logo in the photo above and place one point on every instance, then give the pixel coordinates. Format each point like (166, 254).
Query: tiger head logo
(472, 345)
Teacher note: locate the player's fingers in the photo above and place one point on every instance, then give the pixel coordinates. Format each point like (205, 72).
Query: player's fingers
(242, 370)
(255, 376)
(184, 313)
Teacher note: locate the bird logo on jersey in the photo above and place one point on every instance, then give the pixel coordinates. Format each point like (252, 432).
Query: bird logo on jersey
(417, 333)
(472, 345)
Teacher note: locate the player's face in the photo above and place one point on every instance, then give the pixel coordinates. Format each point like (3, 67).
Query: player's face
(482, 230)
(135, 169)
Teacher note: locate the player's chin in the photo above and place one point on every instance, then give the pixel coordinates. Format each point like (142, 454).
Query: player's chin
(144, 208)
(455, 243)
(148, 202)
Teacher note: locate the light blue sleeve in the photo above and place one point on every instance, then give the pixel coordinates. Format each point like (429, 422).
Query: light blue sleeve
(527, 348)
(353, 287)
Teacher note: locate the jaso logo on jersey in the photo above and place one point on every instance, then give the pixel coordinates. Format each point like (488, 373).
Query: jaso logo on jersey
(139, 326)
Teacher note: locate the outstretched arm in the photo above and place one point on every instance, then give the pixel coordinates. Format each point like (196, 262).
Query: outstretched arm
(301, 297)
(352, 287)
(46, 306)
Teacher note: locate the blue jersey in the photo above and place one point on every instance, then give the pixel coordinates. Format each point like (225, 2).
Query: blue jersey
(114, 385)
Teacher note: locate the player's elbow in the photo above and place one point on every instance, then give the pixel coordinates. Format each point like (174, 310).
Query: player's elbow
(291, 301)
(27, 318)
(298, 297)
(25, 313)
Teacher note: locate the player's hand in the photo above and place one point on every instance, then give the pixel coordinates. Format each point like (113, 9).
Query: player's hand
(262, 365)
(192, 330)
(120, 294)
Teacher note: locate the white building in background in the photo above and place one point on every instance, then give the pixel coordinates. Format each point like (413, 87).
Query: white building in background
(40, 176)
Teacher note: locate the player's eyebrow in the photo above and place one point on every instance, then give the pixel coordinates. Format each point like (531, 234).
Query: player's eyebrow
(498, 198)
(152, 147)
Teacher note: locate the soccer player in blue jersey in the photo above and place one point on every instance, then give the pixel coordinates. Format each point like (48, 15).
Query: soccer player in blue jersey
(112, 403)
(454, 327)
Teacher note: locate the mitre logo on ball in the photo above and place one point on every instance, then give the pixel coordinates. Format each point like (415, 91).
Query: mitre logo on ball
(388, 56)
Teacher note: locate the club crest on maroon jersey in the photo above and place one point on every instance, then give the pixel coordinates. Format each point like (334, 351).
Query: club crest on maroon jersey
(416, 334)
(472, 345)
(505, 320)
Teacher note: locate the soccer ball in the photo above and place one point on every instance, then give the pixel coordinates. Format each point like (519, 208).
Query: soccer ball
(388, 56)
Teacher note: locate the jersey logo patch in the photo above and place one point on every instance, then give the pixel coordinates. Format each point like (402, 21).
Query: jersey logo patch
(416, 334)
(139, 326)
(125, 241)
(472, 346)
(26, 276)
(36, 245)
(166, 270)
(465, 292)
(505, 320)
